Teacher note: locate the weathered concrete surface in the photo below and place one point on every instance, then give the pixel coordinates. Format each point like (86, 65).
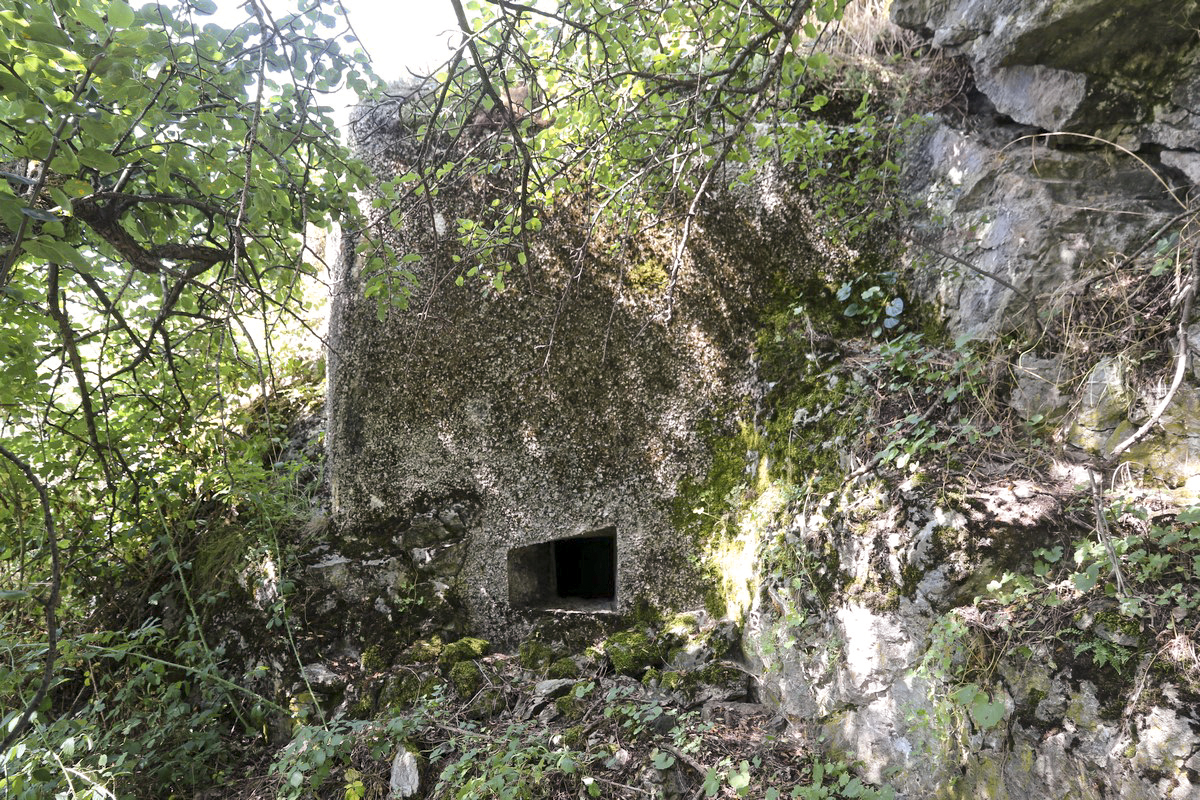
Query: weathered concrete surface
(561, 406)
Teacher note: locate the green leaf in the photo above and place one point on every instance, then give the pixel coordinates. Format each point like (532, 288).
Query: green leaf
(98, 159)
(986, 712)
(46, 32)
(55, 251)
(1085, 581)
(120, 15)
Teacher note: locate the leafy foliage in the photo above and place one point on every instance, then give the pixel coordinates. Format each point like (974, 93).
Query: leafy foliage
(632, 116)
(161, 179)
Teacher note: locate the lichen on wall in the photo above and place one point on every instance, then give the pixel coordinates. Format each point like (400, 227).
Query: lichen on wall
(565, 404)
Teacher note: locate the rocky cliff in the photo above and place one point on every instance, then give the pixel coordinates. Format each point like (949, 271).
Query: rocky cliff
(976, 639)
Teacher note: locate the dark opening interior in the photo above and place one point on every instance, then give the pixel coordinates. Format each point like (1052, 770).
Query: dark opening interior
(579, 572)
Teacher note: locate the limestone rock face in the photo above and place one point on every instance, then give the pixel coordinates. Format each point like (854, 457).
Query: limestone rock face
(1031, 222)
(1074, 161)
(1123, 69)
(876, 673)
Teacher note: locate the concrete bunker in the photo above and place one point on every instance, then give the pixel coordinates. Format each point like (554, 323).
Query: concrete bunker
(573, 572)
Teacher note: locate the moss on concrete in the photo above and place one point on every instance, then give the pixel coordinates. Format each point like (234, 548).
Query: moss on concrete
(648, 277)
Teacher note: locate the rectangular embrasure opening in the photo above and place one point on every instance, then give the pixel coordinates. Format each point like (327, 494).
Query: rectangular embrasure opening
(575, 573)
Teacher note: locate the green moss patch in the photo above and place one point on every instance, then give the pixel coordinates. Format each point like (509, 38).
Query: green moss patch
(632, 652)
(466, 649)
(563, 668)
(535, 655)
(466, 677)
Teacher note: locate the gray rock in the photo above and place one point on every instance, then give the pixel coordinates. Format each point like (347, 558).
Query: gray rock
(553, 688)
(1165, 741)
(1030, 218)
(1186, 162)
(406, 774)
(1121, 68)
(322, 677)
(1034, 95)
(1037, 391)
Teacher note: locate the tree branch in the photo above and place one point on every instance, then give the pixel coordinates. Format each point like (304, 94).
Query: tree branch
(50, 603)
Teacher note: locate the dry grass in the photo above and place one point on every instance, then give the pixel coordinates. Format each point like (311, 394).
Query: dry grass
(867, 31)
(874, 54)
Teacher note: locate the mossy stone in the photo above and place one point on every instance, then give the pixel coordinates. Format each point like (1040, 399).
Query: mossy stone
(466, 649)
(675, 681)
(535, 655)
(466, 677)
(376, 659)
(404, 689)
(573, 736)
(631, 652)
(424, 650)
(569, 706)
(563, 668)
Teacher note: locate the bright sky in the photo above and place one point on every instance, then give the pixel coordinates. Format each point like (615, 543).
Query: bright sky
(400, 34)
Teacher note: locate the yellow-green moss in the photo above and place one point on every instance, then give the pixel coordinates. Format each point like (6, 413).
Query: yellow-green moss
(466, 649)
(574, 736)
(763, 461)
(648, 277)
(631, 652)
(563, 668)
(424, 650)
(466, 677)
(376, 659)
